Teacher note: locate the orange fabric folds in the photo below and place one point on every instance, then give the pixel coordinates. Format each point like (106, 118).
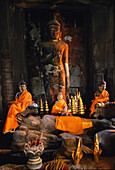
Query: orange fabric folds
(19, 105)
(72, 124)
(103, 97)
(58, 107)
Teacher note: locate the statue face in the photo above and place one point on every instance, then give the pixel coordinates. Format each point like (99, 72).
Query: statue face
(60, 96)
(22, 88)
(54, 32)
(102, 87)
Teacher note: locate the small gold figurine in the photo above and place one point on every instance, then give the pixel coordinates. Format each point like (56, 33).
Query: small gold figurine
(41, 108)
(76, 104)
(81, 107)
(73, 105)
(46, 107)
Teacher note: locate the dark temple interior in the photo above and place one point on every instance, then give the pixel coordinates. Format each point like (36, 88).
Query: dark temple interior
(88, 27)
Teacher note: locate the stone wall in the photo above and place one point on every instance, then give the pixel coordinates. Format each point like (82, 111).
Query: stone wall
(99, 44)
(102, 46)
(12, 41)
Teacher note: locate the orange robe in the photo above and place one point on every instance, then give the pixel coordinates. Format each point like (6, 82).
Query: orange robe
(58, 107)
(19, 105)
(103, 97)
(72, 124)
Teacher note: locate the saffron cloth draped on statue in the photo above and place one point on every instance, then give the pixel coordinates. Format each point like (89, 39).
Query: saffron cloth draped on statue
(72, 124)
(17, 106)
(103, 97)
(58, 107)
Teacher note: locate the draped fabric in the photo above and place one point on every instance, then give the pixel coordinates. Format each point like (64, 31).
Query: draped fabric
(58, 107)
(72, 124)
(103, 97)
(17, 106)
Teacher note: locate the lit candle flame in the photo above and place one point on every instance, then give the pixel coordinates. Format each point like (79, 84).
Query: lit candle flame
(36, 142)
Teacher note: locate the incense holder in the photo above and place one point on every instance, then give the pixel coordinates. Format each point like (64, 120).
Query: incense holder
(33, 153)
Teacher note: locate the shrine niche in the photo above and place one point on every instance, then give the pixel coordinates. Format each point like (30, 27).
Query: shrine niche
(71, 34)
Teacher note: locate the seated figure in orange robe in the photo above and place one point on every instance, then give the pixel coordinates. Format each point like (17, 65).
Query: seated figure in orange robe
(65, 121)
(60, 106)
(22, 100)
(101, 97)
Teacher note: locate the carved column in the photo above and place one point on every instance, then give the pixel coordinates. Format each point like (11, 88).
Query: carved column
(6, 81)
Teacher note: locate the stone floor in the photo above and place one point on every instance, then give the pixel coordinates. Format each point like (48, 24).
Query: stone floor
(17, 161)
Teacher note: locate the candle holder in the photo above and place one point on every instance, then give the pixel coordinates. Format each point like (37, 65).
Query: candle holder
(33, 150)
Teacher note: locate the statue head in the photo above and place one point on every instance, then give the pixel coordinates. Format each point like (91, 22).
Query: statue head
(102, 85)
(22, 85)
(53, 28)
(60, 96)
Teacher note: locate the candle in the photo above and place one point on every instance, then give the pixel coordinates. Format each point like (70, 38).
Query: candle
(36, 142)
(40, 138)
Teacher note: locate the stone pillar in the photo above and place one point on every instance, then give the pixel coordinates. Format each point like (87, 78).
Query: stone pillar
(0, 100)
(6, 82)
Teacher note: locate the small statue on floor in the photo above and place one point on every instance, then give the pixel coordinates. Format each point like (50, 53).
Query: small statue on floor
(60, 106)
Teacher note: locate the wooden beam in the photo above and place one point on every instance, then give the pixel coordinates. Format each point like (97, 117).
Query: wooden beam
(49, 3)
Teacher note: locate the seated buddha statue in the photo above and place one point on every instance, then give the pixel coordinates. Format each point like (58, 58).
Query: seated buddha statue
(22, 100)
(60, 106)
(101, 97)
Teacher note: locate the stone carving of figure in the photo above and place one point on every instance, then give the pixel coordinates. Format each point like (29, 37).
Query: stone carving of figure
(53, 63)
